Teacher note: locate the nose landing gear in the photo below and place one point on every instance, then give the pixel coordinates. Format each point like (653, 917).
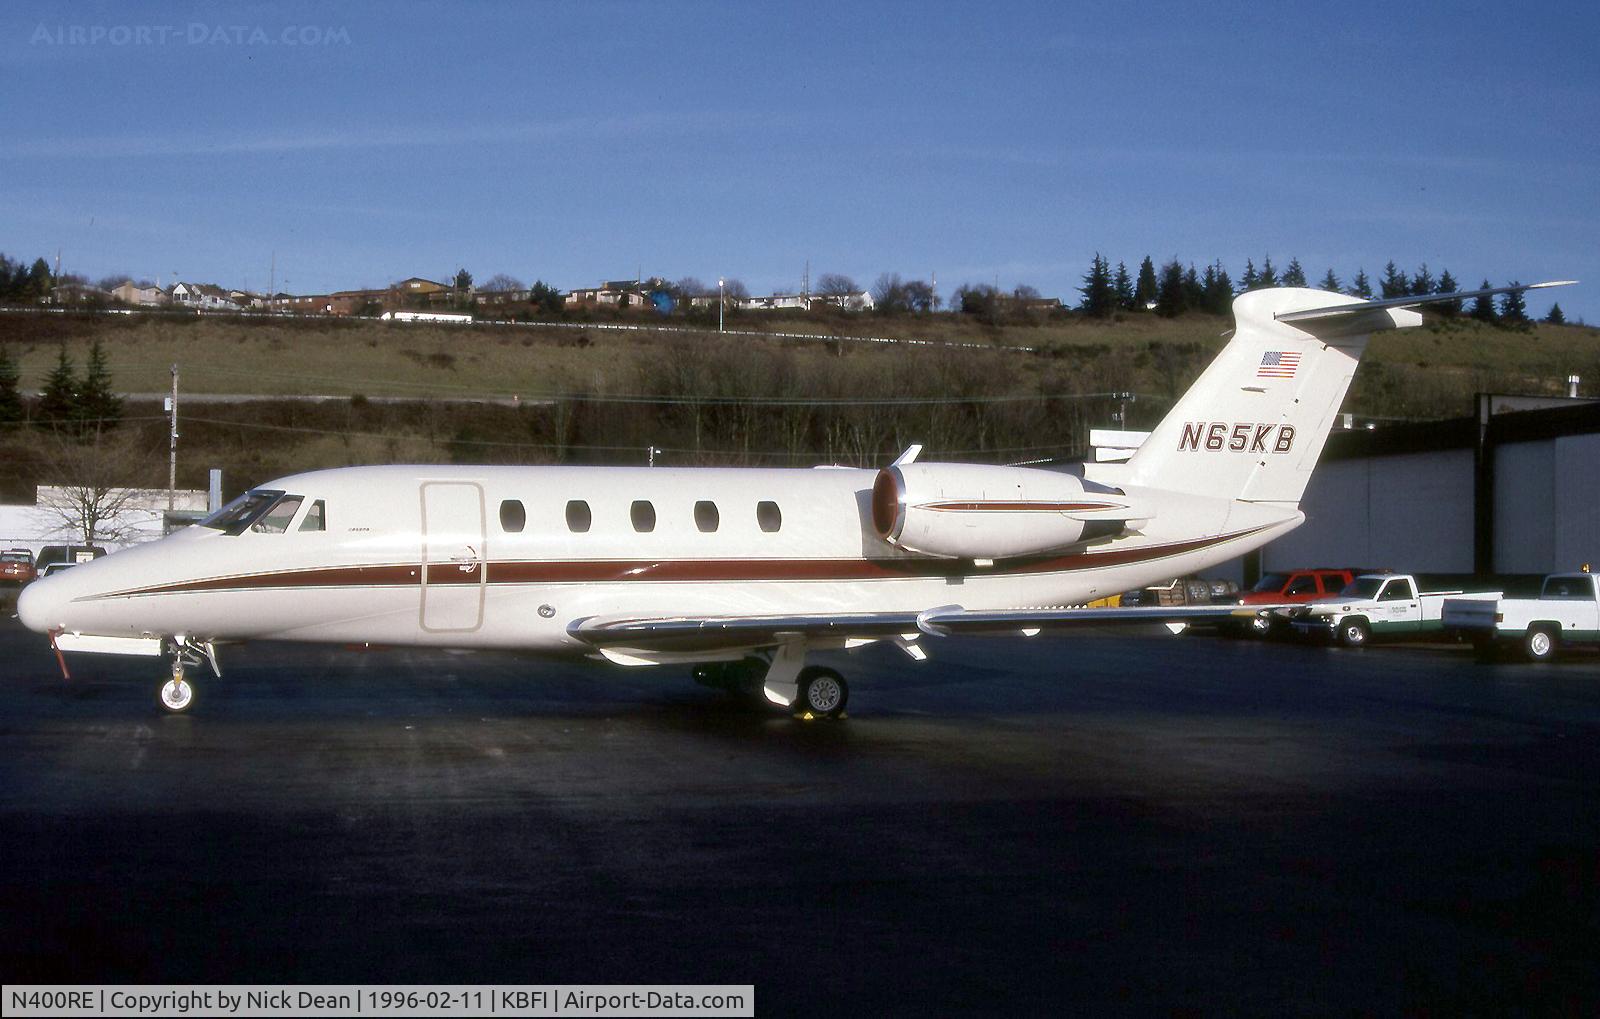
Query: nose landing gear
(177, 693)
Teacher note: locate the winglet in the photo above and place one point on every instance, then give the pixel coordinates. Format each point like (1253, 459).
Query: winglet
(910, 455)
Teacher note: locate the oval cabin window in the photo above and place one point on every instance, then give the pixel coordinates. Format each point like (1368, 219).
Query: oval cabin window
(769, 516)
(706, 517)
(643, 514)
(513, 517)
(578, 516)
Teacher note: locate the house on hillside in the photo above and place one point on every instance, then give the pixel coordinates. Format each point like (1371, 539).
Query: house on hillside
(77, 293)
(861, 301)
(143, 297)
(617, 293)
(203, 297)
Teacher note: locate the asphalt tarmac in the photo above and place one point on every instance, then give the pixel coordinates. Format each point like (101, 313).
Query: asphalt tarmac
(1127, 824)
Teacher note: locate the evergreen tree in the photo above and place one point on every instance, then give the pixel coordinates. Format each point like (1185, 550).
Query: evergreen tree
(1447, 285)
(1483, 306)
(1556, 318)
(1512, 307)
(1330, 282)
(1144, 291)
(1194, 294)
(1251, 278)
(1169, 292)
(1122, 283)
(99, 407)
(1422, 283)
(58, 403)
(1394, 282)
(10, 395)
(39, 281)
(1294, 276)
(1099, 298)
(1269, 275)
(1361, 288)
(1219, 290)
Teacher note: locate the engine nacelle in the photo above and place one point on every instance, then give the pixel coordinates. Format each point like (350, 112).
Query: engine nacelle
(977, 511)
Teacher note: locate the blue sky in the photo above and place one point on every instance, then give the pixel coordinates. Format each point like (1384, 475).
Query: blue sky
(982, 142)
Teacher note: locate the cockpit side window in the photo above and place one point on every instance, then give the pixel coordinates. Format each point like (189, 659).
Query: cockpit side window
(316, 517)
(242, 512)
(277, 519)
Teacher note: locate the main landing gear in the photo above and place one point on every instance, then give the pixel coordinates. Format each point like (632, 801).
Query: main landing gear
(177, 693)
(783, 679)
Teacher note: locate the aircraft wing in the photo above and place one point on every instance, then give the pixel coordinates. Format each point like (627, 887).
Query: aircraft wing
(696, 633)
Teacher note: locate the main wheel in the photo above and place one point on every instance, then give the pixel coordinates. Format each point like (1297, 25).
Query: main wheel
(823, 693)
(177, 694)
(1354, 633)
(1540, 644)
(1260, 626)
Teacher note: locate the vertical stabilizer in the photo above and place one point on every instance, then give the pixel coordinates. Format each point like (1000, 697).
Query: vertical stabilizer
(1254, 423)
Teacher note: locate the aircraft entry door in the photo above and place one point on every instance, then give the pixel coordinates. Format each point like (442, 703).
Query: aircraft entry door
(452, 556)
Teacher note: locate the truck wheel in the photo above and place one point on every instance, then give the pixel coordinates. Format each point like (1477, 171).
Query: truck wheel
(1354, 633)
(1260, 627)
(1540, 644)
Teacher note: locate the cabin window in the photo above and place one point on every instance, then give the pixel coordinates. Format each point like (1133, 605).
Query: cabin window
(706, 516)
(316, 517)
(277, 519)
(1303, 584)
(769, 516)
(1398, 590)
(643, 514)
(513, 517)
(579, 519)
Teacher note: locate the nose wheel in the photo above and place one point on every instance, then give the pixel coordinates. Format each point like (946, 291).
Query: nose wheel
(177, 693)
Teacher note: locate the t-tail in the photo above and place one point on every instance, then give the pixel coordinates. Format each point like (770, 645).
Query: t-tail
(1254, 423)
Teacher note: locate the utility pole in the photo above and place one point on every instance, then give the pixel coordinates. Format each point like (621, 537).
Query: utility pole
(721, 302)
(172, 448)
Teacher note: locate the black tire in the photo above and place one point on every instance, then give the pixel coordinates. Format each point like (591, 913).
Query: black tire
(1541, 643)
(1259, 627)
(823, 693)
(1355, 632)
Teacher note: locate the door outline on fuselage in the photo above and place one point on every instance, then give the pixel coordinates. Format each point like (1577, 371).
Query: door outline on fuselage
(450, 551)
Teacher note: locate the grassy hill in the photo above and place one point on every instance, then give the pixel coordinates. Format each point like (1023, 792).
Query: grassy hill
(984, 393)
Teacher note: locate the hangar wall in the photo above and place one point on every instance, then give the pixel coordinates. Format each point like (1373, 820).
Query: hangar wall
(1406, 498)
(1547, 504)
(1411, 512)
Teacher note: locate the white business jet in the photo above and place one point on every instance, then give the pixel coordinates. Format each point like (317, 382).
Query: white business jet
(742, 572)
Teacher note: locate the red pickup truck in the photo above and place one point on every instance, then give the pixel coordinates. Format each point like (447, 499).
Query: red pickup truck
(1291, 586)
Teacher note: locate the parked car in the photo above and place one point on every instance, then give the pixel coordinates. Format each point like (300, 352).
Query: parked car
(67, 554)
(1291, 587)
(1567, 611)
(16, 566)
(1379, 605)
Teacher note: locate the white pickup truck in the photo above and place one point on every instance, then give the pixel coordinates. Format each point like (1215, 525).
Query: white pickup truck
(1567, 611)
(1378, 605)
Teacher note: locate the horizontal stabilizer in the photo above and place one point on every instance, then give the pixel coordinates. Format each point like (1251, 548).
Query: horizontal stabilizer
(1409, 302)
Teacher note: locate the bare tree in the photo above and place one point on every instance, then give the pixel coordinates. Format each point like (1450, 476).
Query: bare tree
(97, 484)
(833, 284)
(500, 283)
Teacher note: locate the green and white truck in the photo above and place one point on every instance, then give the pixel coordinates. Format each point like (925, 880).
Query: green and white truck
(1566, 612)
(1379, 605)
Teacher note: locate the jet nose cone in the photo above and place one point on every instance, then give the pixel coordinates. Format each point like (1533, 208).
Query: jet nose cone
(37, 606)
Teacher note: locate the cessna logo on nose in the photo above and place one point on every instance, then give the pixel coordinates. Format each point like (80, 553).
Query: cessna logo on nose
(1239, 436)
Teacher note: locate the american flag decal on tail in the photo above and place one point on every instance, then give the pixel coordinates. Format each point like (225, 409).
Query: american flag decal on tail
(1278, 364)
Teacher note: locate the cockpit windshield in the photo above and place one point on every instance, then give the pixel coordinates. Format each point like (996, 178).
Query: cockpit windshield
(263, 510)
